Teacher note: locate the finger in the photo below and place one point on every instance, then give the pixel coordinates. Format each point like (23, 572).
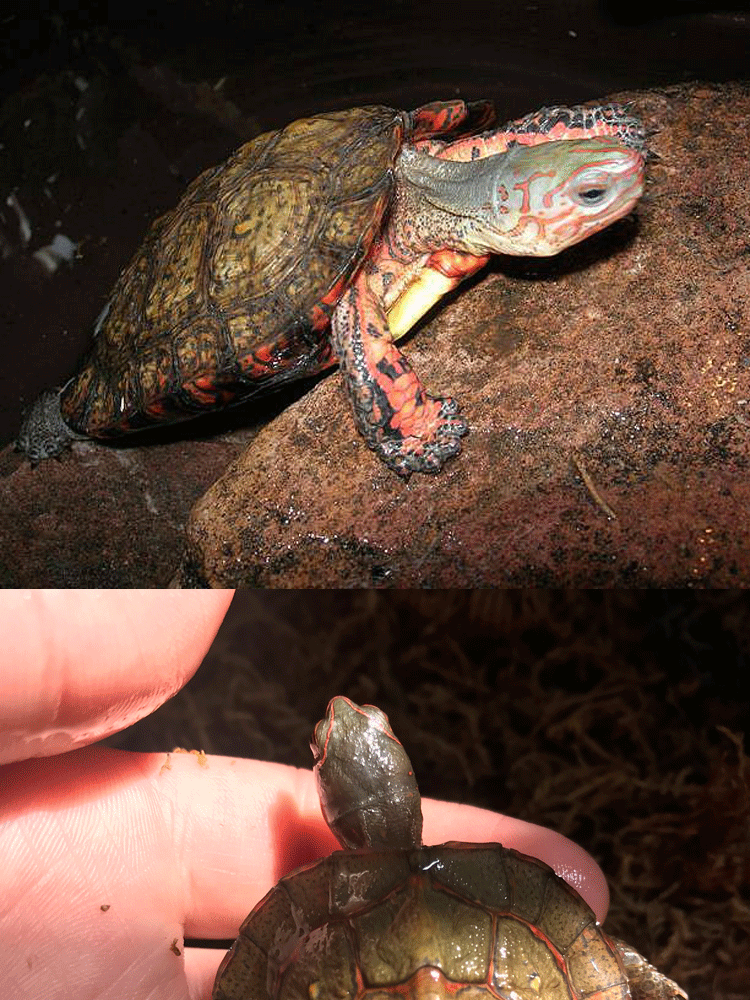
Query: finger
(254, 822)
(200, 970)
(89, 899)
(78, 665)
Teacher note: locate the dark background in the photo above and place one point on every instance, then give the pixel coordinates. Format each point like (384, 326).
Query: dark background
(110, 111)
(617, 718)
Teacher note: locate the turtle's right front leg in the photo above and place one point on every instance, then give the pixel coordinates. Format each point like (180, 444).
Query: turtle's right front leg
(410, 430)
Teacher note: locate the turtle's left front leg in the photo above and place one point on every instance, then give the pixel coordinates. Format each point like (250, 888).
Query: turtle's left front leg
(410, 430)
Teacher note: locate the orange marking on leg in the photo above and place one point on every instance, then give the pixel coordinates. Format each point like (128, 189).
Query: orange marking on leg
(456, 265)
(422, 423)
(410, 430)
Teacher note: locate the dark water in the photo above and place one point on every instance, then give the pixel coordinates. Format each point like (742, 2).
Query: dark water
(104, 119)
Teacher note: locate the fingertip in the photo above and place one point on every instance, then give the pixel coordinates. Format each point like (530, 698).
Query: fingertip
(80, 665)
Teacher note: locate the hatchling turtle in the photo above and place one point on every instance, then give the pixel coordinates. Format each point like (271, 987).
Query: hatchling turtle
(325, 242)
(387, 918)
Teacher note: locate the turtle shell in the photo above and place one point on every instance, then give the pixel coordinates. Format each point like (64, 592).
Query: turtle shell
(476, 920)
(231, 291)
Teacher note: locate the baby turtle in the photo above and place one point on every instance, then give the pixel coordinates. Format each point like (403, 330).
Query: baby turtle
(386, 918)
(325, 242)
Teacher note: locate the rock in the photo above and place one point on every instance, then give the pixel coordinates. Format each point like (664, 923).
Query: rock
(607, 392)
(103, 517)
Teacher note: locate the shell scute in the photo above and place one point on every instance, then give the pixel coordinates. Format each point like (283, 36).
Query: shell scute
(349, 226)
(564, 914)
(146, 382)
(527, 878)
(418, 925)
(252, 245)
(594, 967)
(524, 966)
(474, 871)
(197, 348)
(326, 968)
(244, 971)
(277, 926)
(361, 878)
(175, 291)
(246, 265)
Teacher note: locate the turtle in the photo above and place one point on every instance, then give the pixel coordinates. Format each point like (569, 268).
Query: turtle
(326, 241)
(387, 917)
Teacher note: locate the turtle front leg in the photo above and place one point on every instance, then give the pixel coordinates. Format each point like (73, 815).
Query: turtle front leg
(646, 982)
(409, 429)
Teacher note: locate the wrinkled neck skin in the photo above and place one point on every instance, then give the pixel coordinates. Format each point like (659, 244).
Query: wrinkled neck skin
(441, 203)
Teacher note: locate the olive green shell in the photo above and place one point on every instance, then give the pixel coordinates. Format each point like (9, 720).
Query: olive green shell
(230, 290)
(496, 923)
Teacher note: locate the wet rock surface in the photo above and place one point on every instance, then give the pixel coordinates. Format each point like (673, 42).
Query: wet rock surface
(608, 396)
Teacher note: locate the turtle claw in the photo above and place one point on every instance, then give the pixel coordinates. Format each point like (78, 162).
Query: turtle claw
(43, 433)
(425, 452)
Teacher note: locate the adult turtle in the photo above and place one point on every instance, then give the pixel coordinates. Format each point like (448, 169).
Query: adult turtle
(326, 241)
(386, 918)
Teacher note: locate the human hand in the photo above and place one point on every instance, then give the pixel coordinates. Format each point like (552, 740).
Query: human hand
(109, 858)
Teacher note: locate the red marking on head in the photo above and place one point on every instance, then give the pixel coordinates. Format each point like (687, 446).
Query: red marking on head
(564, 213)
(524, 222)
(524, 188)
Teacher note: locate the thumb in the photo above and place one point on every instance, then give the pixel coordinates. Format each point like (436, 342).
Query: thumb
(77, 666)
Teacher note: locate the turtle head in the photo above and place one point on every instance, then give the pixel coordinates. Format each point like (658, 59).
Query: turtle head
(545, 198)
(529, 200)
(368, 792)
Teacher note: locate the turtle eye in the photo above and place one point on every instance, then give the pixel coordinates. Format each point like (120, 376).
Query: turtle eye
(591, 196)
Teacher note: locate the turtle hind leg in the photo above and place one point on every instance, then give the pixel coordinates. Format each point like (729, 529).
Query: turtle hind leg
(410, 430)
(646, 982)
(43, 433)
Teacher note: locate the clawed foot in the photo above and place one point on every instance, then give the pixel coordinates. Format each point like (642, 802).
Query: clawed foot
(44, 434)
(410, 430)
(422, 440)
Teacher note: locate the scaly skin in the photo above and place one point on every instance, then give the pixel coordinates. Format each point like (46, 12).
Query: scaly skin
(610, 121)
(534, 199)
(410, 430)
